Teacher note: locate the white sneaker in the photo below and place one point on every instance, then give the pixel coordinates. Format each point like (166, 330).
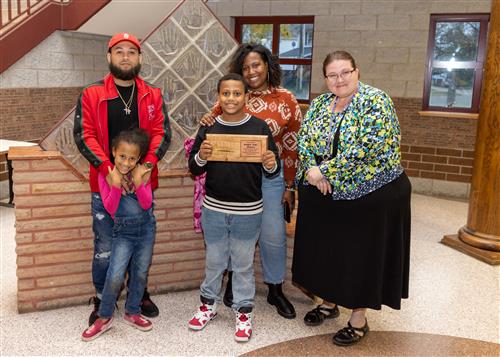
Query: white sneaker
(203, 316)
(243, 326)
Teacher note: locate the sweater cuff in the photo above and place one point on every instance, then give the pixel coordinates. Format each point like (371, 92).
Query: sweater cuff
(199, 161)
(150, 158)
(271, 170)
(103, 168)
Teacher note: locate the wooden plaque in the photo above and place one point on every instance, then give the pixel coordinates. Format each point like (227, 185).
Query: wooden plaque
(239, 148)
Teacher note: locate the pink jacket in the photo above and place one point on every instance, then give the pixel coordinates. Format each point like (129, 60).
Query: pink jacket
(199, 190)
(111, 195)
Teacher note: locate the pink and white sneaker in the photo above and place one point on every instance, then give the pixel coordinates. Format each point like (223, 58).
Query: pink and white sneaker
(138, 321)
(96, 329)
(203, 316)
(243, 325)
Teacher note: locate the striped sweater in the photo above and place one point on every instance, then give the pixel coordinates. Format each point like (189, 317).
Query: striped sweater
(233, 187)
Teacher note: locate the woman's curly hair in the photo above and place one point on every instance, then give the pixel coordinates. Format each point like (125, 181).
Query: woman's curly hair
(274, 69)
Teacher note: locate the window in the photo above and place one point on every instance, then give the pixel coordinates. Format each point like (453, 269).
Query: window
(289, 37)
(455, 56)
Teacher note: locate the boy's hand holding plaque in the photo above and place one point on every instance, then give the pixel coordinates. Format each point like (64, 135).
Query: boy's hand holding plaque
(238, 148)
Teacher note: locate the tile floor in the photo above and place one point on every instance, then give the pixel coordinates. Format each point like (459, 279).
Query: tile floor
(450, 294)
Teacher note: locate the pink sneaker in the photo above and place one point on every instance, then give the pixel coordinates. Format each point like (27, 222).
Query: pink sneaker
(96, 329)
(138, 321)
(203, 316)
(243, 326)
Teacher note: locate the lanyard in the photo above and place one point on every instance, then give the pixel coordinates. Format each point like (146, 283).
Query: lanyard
(332, 149)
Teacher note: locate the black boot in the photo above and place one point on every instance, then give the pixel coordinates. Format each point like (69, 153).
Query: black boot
(228, 294)
(148, 307)
(93, 315)
(277, 298)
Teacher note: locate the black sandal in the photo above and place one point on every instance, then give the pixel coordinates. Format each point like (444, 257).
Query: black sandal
(316, 316)
(350, 335)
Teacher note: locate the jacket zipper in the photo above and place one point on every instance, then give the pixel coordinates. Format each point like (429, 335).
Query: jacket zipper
(139, 106)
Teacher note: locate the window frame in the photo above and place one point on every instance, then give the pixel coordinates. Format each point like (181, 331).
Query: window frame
(276, 21)
(478, 64)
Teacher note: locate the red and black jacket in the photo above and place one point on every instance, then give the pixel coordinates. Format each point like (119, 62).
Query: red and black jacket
(91, 125)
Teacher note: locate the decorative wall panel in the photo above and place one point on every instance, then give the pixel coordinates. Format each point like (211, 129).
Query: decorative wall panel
(185, 56)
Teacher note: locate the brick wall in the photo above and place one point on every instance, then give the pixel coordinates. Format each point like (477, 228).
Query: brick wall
(54, 239)
(437, 148)
(29, 113)
(437, 163)
(435, 131)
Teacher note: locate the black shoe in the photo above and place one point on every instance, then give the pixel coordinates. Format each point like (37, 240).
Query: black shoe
(320, 313)
(228, 294)
(277, 298)
(148, 307)
(93, 315)
(350, 335)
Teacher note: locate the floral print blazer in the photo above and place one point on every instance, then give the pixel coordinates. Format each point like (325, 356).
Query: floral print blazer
(368, 154)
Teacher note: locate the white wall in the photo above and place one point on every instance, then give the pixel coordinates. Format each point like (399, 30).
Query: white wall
(138, 17)
(64, 59)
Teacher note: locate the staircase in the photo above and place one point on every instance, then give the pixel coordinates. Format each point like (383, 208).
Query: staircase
(25, 23)
(15, 11)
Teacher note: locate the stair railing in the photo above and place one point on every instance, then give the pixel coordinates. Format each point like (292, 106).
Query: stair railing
(13, 11)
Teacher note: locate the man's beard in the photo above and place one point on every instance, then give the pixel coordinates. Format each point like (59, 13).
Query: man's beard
(124, 75)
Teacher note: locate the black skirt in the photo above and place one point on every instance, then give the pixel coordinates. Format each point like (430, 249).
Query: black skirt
(355, 253)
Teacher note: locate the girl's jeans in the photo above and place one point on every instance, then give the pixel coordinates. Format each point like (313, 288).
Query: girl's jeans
(132, 239)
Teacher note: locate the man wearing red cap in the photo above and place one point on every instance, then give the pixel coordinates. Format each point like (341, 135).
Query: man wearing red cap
(120, 101)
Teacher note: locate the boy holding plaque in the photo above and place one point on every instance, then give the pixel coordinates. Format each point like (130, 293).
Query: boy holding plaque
(232, 208)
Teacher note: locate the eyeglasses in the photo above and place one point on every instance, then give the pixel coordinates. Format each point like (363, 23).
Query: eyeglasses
(334, 77)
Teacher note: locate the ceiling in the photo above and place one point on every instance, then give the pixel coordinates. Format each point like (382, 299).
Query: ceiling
(138, 17)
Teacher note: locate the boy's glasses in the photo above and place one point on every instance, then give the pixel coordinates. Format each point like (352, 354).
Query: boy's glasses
(334, 77)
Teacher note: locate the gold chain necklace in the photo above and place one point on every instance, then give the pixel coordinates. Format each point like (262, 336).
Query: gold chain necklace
(129, 103)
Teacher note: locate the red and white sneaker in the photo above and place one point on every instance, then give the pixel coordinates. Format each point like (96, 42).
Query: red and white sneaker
(203, 316)
(97, 329)
(138, 321)
(243, 326)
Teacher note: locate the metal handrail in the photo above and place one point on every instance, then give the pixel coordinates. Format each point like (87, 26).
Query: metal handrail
(22, 8)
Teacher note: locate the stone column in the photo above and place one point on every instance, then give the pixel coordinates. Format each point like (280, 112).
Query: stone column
(480, 237)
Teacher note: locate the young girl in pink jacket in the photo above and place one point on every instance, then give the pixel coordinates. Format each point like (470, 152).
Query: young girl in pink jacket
(133, 231)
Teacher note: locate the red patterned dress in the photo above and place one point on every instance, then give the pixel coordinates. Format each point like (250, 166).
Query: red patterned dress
(280, 110)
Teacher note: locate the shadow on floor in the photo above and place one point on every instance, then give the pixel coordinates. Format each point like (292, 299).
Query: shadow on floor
(382, 343)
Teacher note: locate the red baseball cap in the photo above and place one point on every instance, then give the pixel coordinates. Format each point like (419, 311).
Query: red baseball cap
(123, 36)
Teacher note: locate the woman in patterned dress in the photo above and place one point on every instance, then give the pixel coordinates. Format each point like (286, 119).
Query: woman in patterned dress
(352, 239)
(279, 108)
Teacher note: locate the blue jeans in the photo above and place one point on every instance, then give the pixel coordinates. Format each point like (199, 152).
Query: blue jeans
(132, 243)
(230, 236)
(102, 225)
(272, 241)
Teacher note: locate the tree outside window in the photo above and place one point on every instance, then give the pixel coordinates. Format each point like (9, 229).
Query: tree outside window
(456, 53)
